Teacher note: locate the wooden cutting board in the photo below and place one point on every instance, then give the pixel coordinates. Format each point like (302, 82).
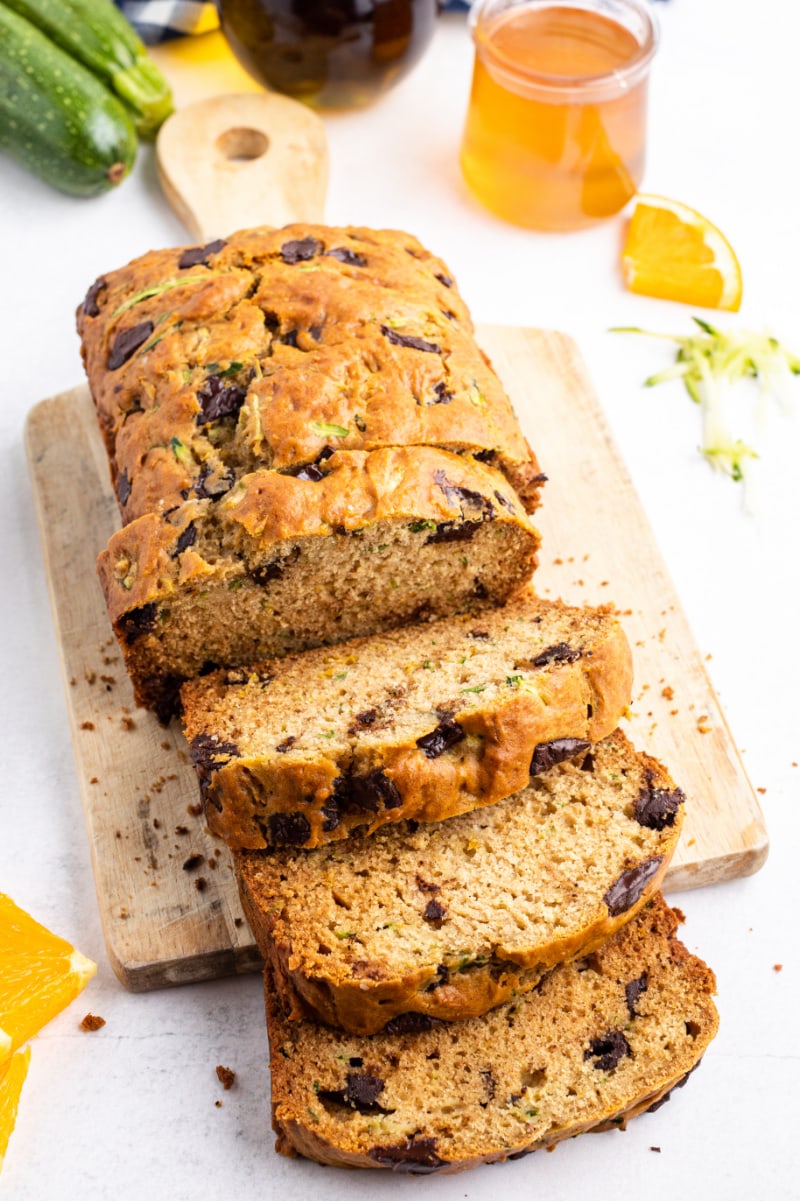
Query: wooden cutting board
(165, 887)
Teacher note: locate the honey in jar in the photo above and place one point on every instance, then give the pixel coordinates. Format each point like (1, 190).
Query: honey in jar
(555, 131)
(328, 53)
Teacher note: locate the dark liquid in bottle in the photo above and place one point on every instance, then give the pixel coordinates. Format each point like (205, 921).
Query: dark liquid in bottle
(331, 53)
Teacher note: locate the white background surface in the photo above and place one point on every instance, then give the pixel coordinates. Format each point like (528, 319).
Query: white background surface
(129, 1111)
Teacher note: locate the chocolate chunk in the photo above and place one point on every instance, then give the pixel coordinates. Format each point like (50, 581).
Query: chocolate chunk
(289, 339)
(364, 720)
(480, 590)
(562, 652)
(588, 762)
(361, 1092)
(442, 977)
(309, 471)
(548, 754)
(207, 489)
(442, 393)
(209, 753)
(654, 808)
(371, 792)
(411, 1023)
(444, 279)
(300, 250)
(218, 399)
(447, 734)
(504, 501)
(484, 456)
(315, 332)
(269, 571)
(480, 635)
(454, 531)
(417, 1156)
(489, 1085)
(127, 342)
(345, 255)
(186, 538)
(197, 255)
(460, 496)
(434, 911)
(123, 487)
(291, 828)
(286, 745)
(627, 888)
(90, 306)
(332, 817)
(139, 621)
(608, 1050)
(633, 991)
(409, 340)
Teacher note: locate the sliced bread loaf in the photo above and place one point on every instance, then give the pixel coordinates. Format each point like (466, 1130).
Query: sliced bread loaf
(362, 542)
(424, 722)
(598, 1041)
(448, 920)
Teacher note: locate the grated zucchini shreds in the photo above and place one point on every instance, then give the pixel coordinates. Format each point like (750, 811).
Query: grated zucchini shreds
(711, 363)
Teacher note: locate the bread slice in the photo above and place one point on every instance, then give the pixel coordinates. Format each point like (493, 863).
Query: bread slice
(363, 542)
(424, 722)
(598, 1041)
(450, 919)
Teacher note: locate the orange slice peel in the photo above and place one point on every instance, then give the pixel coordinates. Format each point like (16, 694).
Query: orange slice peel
(675, 253)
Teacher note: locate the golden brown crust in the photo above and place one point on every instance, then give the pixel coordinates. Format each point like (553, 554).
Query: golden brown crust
(287, 895)
(600, 1042)
(322, 337)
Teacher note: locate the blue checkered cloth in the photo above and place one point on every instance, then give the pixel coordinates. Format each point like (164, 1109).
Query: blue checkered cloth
(160, 20)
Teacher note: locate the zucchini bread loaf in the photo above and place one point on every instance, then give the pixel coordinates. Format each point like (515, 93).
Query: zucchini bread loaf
(450, 919)
(306, 444)
(423, 722)
(597, 1042)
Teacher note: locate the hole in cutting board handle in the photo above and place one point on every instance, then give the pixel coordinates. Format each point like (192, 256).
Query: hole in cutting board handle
(242, 145)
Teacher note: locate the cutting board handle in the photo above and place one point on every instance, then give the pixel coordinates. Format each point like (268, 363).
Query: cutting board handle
(237, 161)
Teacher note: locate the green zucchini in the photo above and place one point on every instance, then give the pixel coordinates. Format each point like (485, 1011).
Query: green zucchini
(56, 118)
(95, 33)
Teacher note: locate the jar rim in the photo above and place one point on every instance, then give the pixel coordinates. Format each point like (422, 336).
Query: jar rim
(602, 85)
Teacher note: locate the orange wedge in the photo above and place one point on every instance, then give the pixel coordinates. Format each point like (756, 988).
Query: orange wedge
(12, 1078)
(674, 253)
(40, 974)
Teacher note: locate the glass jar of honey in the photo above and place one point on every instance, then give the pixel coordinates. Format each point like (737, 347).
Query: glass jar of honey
(328, 53)
(555, 130)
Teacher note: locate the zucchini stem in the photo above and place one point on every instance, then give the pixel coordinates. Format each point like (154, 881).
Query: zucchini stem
(145, 90)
